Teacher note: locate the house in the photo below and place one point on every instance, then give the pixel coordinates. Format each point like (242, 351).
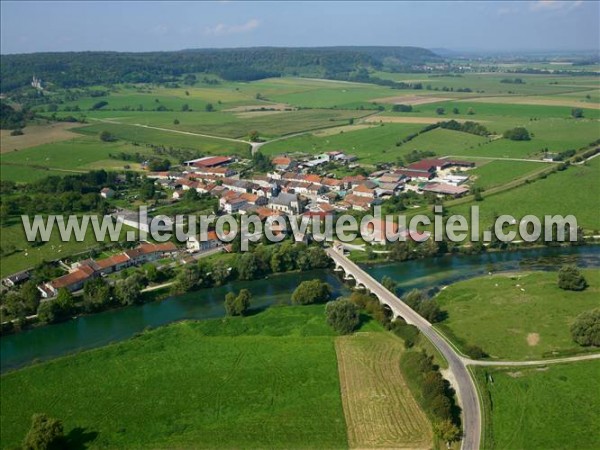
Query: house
(455, 180)
(16, 278)
(196, 244)
(107, 193)
(363, 191)
(177, 194)
(350, 181)
(283, 163)
(357, 202)
(113, 264)
(284, 202)
(336, 155)
(73, 281)
(231, 206)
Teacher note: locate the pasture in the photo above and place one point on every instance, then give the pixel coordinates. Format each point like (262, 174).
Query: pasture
(551, 407)
(498, 172)
(379, 407)
(223, 383)
(35, 135)
(20, 254)
(571, 191)
(516, 316)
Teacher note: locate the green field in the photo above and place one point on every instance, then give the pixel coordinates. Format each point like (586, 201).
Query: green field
(497, 173)
(573, 191)
(552, 407)
(521, 316)
(226, 383)
(27, 256)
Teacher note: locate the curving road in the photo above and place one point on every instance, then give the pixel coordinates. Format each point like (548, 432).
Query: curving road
(462, 382)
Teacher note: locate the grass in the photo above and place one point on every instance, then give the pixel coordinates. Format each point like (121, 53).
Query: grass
(226, 383)
(497, 173)
(232, 125)
(27, 256)
(523, 316)
(573, 191)
(369, 367)
(78, 154)
(553, 407)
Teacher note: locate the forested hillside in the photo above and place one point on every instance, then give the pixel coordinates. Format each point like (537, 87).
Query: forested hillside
(75, 69)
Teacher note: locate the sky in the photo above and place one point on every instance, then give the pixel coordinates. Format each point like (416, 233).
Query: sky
(28, 26)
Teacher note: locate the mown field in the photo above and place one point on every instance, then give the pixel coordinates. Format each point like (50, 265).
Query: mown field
(380, 410)
(498, 172)
(521, 316)
(211, 384)
(552, 407)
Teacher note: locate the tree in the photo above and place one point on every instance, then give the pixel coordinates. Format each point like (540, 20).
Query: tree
(46, 433)
(128, 291)
(342, 315)
(470, 111)
(209, 107)
(389, 284)
(440, 111)
(96, 293)
(517, 134)
(176, 122)
(237, 305)
(586, 328)
(446, 431)
(577, 113)
(309, 292)
(185, 106)
(248, 266)
(254, 136)
(455, 110)
(31, 296)
(571, 279)
(106, 136)
(65, 302)
(402, 108)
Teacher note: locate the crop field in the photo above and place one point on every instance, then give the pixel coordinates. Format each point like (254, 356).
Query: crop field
(522, 316)
(552, 407)
(571, 191)
(379, 408)
(36, 135)
(223, 383)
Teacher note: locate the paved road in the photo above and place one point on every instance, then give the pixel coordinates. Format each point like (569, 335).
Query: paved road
(462, 381)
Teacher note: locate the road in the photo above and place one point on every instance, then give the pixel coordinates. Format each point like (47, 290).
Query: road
(461, 378)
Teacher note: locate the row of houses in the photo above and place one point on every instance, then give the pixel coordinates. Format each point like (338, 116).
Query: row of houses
(82, 271)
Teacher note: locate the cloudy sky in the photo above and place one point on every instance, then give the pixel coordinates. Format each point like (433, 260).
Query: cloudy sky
(28, 26)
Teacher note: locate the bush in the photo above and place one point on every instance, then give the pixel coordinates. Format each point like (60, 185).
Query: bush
(475, 352)
(571, 279)
(309, 292)
(45, 433)
(402, 108)
(586, 328)
(105, 136)
(342, 315)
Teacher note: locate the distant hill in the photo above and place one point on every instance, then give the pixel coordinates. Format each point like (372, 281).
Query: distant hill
(74, 69)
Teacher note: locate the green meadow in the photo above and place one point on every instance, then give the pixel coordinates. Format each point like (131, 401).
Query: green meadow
(541, 408)
(268, 381)
(520, 316)
(573, 191)
(499, 172)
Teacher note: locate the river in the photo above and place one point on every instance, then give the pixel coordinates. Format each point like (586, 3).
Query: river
(96, 330)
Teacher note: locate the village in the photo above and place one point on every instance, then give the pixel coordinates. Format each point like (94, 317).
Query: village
(294, 187)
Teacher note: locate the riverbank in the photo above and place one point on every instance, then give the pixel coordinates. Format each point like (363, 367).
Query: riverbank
(99, 329)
